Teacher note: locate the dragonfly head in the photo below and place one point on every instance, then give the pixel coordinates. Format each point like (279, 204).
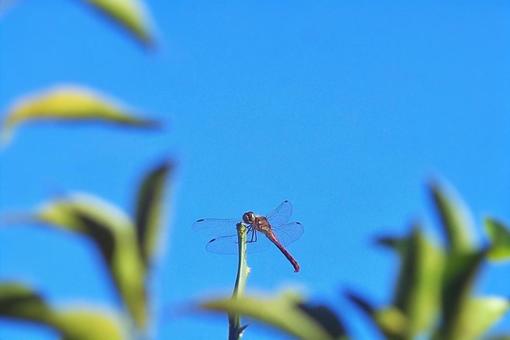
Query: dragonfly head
(249, 217)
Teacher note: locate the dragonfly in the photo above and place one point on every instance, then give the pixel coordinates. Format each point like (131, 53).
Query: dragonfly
(262, 231)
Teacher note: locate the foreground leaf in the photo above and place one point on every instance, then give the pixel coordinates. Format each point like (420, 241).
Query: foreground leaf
(418, 287)
(481, 314)
(458, 280)
(390, 321)
(286, 312)
(499, 235)
(454, 217)
(69, 104)
(78, 323)
(20, 302)
(113, 234)
(148, 210)
(129, 14)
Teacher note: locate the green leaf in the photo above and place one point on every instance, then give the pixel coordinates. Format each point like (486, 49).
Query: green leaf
(20, 302)
(480, 315)
(395, 243)
(80, 323)
(148, 209)
(458, 279)
(455, 219)
(69, 104)
(113, 233)
(285, 312)
(499, 235)
(418, 286)
(131, 15)
(390, 321)
(326, 318)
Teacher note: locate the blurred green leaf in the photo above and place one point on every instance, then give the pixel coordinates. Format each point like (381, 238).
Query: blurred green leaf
(80, 323)
(499, 235)
(285, 312)
(113, 233)
(480, 315)
(128, 14)
(69, 104)
(148, 209)
(390, 321)
(454, 217)
(418, 286)
(326, 318)
(458, 280)
(395, 243)
(20, 302)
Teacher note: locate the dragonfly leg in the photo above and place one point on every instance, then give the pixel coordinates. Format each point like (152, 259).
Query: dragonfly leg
(253, 236)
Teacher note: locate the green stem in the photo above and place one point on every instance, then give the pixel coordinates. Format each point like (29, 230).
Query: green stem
(235, 330)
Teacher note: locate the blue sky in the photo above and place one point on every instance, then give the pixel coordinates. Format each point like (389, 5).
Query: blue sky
(344, 108)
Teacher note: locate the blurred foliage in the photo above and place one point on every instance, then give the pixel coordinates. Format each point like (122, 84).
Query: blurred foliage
(20, 302)
(499, 235)
(286, 312)
(131, 15)
(433, 295)
(69, 104)
(115, 234)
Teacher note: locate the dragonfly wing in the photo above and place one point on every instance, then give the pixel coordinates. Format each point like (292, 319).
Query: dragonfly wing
(280, 215)
(289, 232)
(228, 244)
(223, 244)
(215, 227)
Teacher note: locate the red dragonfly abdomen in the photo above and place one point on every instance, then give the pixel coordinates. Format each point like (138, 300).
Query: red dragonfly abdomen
(271, 236)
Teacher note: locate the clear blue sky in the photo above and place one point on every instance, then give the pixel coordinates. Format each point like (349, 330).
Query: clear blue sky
(345, 108)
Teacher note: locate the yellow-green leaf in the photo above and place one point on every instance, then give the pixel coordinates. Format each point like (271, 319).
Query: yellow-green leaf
(455, 218)
(480, 315)
(69, 104)
(20, 302)
(458, 280)
(418, 286)
(499, 235)
(85, 323)
(149, 209)
(113, 233)
(129, 14)
(283, 312)
(390, 321)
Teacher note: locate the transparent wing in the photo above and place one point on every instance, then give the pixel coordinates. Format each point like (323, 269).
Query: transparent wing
(223, 244)
(209, 228)
(289, 232)
(228, 244)
(280, 215)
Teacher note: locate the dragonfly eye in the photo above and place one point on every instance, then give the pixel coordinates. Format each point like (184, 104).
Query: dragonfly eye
(249, 217)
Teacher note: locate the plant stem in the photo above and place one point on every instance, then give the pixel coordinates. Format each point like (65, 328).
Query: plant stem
(235, 330)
